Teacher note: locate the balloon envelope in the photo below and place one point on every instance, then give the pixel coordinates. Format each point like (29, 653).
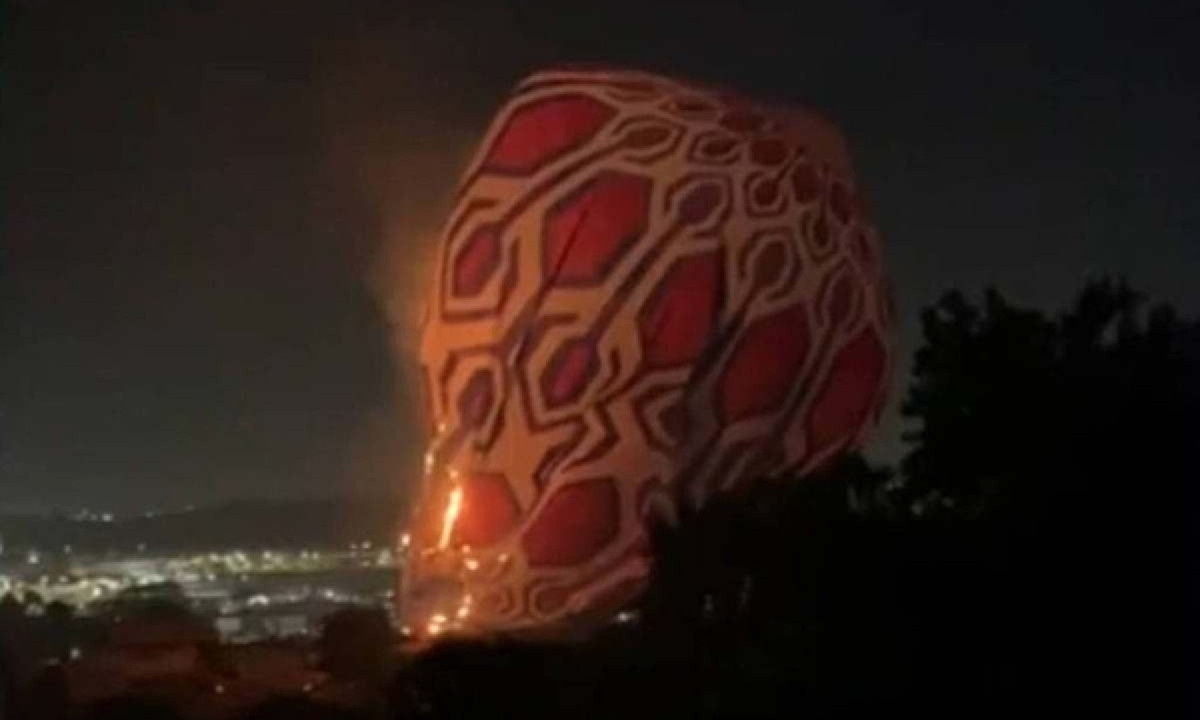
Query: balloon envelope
(648, 292)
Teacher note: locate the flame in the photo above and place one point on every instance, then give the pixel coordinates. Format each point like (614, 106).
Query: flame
(453, 506)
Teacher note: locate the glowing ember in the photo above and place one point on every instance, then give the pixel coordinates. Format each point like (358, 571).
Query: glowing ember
(436, 624)
(465, 608)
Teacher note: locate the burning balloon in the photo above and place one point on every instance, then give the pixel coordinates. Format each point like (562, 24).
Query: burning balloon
(647, 293)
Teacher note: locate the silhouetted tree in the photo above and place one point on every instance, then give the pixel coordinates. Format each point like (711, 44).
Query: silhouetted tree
(11, 610)
(769, 600)
(297, 708)
(7, 689)
(1018, 411)
(59, 622)
(356, 644)
(497, 678)
(45, 696)
(1066, 446)
(31, 598)
(1024, 541)
(130, 708)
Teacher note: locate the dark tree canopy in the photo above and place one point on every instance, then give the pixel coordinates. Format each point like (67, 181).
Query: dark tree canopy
(1017, 411)
(1031, 543)
(355, 643)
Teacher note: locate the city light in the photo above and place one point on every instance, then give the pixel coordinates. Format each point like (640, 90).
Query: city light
(249, 595)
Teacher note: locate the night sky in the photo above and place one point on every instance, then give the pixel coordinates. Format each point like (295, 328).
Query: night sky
(215, 214)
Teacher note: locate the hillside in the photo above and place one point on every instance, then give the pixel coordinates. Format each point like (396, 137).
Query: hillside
(313, 522)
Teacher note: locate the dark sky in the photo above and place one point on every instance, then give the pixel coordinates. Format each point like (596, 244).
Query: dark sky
(214, 213)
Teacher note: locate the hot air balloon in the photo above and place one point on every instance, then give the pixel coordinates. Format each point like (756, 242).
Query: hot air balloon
(648, 292)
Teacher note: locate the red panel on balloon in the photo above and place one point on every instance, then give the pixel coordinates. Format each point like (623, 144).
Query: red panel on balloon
(806, 186)
(587, 233)
(764, 365)
(477, 261)
(577, 522)
(679, 319)
(568, 372)
(489, 510)
(845, 401)
(539, 132)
